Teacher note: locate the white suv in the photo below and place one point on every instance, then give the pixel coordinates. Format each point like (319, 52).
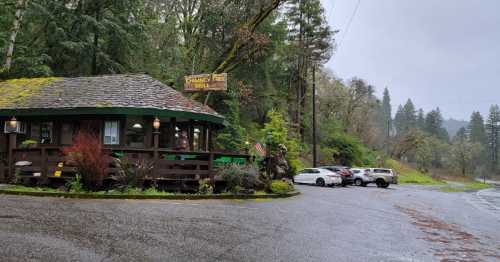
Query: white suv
(362, 176)
(383, 177)
(317, 176)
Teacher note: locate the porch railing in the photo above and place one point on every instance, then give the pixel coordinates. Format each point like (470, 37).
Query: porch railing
(169, 165)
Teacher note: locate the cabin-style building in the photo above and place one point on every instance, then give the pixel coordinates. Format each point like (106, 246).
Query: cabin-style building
(134, 115)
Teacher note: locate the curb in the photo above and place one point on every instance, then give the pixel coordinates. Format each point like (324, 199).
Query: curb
(168, 197)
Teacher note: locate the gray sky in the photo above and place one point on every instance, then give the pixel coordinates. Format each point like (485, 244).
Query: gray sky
(442, 53)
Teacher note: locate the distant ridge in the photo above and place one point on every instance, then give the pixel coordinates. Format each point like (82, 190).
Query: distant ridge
(452, 125)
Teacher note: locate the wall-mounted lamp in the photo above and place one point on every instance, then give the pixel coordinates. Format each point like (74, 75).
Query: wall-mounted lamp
(156, 123)
(11, 126)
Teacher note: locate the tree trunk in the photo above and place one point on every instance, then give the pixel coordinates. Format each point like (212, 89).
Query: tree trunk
(20, 7)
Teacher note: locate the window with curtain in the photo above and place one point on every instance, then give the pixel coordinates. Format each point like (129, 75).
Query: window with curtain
(112, 133)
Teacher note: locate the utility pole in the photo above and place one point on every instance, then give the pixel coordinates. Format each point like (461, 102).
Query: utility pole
(314, 116)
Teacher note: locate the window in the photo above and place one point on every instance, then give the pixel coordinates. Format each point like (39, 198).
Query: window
(67, 134)
(111, 133)
(46, 132)
(135, 131)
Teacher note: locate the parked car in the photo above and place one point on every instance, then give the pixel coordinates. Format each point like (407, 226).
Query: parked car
(362, 176)
(383, 177)
(344, 172)
(318, 176)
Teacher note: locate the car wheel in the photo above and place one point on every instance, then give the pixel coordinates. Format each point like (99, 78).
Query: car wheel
(385, 185)
(320, 182)
(358, 182)
(380, 182)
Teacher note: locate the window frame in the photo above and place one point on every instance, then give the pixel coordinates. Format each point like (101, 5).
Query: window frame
(51, 126)
(117, 135)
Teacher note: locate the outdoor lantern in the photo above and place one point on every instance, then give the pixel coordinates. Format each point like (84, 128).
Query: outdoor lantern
(13, 123)
(156, 123)
(11, 126)
(137, 126)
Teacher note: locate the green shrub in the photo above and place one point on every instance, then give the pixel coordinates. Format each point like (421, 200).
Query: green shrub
(27, 143)
(205, 187)
(281, 187)
(339, 147)
(75, 185)
(277, 127)
(131, 173)
(239, 177)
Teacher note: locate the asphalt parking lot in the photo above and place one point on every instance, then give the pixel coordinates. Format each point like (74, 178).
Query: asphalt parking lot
(401, 223)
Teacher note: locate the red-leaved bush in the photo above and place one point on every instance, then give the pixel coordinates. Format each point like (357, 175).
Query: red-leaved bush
(89, 158)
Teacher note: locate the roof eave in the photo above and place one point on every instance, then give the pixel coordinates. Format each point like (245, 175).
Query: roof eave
(217, 119)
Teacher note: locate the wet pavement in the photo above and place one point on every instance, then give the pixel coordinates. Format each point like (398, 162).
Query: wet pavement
(401, 223)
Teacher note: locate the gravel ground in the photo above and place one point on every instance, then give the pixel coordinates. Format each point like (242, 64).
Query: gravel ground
(402, 223)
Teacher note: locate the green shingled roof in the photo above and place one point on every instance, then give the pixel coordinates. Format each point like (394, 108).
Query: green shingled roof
(131, 94)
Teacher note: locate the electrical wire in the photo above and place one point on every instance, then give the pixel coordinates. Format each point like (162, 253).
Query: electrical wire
(348, 26)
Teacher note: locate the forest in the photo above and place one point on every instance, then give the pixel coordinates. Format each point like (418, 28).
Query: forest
(270, 49)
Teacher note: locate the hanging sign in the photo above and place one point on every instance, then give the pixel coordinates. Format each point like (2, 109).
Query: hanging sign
(205, 82)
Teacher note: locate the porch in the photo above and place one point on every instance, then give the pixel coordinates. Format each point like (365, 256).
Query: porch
(172, 169)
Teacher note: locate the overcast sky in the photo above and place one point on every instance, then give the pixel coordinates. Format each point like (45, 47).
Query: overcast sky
(442, 53)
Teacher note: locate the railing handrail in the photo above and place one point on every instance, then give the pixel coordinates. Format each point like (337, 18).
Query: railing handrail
(139, 150)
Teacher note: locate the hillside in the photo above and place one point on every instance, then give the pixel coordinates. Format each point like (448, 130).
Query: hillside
(452, 125)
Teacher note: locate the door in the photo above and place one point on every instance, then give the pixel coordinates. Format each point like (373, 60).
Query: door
(299, 178)
(306, 176)
(316, 173)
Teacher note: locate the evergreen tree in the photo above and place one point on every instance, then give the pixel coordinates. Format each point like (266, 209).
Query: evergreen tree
(493, 136)
(71, 38)
(311, 39)
(477, 132)
(399, 120)
(231, 139)
(406, 118)
(421, 119)
(386, 113)
(434, 125)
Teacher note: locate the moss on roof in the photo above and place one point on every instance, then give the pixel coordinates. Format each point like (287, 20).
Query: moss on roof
(18, 91)
(107, 94)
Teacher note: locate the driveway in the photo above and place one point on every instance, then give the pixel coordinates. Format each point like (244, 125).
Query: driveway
(402, 223)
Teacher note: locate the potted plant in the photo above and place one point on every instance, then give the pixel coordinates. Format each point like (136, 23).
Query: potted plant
(29, 143)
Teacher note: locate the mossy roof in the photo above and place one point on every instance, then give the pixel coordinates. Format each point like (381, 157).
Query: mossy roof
(135, 94)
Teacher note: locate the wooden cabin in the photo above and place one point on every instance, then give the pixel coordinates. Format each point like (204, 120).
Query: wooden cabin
(133, 114)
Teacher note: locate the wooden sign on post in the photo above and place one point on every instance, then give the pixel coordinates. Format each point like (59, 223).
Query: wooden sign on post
(205, 83)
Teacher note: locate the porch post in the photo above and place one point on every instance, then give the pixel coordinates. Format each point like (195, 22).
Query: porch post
(156, 143)
(211, 169)
(206, 130)
(210, 137)
(12, 146)
(43, 164)
(191, 135)
(171, 134)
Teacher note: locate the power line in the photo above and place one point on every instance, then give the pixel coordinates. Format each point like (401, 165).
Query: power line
(348, 26)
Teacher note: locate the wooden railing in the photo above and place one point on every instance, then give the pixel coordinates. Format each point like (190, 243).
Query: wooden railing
(169, 165)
